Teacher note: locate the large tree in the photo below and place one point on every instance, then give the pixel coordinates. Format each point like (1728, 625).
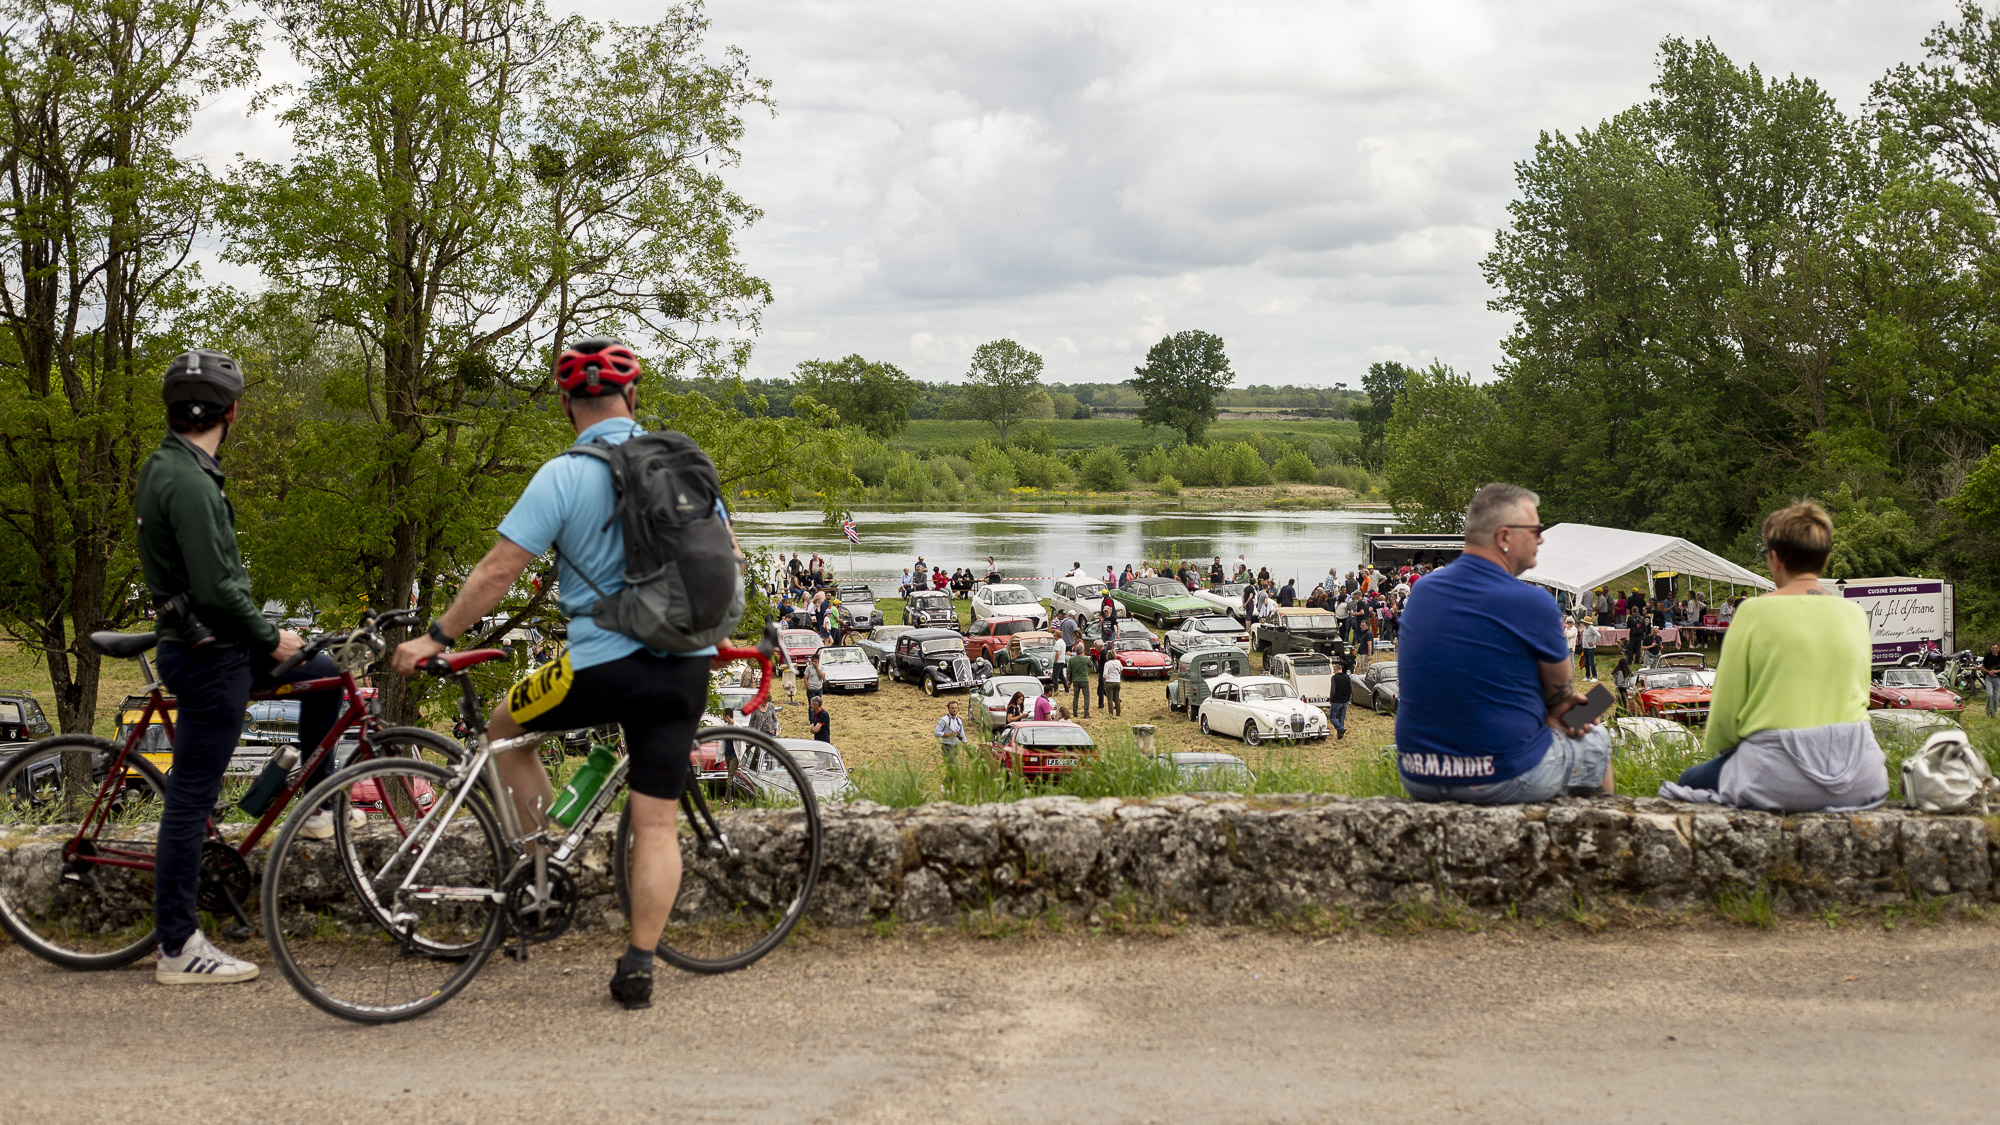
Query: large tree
(1383, 383)
(100, 215)
(1179, 381)
(874, 396)
(476, 182)
(1004, 386)
(1437, 450)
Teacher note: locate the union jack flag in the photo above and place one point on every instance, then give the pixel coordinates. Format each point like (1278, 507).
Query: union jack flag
(847, 529)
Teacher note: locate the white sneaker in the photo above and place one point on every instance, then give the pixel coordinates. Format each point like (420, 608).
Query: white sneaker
(356, 818)
(318, 826)
(201, 963)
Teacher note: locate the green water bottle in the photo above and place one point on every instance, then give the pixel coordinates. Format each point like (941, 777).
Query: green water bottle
(583, 785)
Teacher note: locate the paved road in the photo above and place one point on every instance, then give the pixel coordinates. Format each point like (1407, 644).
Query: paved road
(1689, 1024)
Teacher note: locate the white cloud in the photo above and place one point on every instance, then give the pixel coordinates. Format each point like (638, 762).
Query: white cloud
(1314, 181)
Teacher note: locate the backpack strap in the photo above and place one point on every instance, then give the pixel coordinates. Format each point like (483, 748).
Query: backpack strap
(601, 450)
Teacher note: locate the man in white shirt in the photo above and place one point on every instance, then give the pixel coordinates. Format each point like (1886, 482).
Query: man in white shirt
(1112, 679)
(950, 731)
(1076, 571)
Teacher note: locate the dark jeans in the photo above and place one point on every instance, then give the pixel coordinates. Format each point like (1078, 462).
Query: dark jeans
(1590, 661)
(1707, 775)
(211, 689)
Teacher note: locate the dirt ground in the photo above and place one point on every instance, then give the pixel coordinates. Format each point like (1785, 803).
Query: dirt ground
(1700, 1023)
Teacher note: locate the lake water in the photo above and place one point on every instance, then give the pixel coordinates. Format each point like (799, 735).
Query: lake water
(1035, 547)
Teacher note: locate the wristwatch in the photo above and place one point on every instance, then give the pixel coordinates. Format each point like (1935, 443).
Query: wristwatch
(438, 634)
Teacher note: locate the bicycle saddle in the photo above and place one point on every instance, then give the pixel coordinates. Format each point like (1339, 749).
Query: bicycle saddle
(448, 662)
(123, 645)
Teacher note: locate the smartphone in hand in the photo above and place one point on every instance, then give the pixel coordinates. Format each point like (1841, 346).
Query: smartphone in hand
(1594, 705)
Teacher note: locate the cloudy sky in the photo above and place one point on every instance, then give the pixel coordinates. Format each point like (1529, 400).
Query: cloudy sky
(1315, 182)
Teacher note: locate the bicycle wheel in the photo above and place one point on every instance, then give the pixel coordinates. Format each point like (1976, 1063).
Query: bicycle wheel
(339, 951)
(395, 809)
(743, 891)
(83, 903)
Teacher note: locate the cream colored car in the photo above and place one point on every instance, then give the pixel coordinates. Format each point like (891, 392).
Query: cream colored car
(1257, 708)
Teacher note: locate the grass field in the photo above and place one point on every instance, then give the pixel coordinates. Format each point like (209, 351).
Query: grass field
(925, 435)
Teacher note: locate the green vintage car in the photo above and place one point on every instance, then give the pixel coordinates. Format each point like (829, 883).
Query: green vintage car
(1189, 687)
(1162, 601)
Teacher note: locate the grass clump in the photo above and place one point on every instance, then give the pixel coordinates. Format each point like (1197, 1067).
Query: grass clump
(1747, 906)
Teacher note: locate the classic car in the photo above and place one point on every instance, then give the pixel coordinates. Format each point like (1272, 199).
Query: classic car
(988, 638)
(1197, 669)
(1007, 601)
(1298, 629)
(1911, 724)
(1678, 692)
(1913, 689)
(1630, 732)
(933, 659)
(1310, 672)
(880, 644)
(798, 645)
(1260, 707)
(1376, 688)
(1040, 751)
(157, 746)
(1205, 632)
(1162, 601)
(1227, 597)
(1210, 770)
(930, 609)
(1138, 659)
(1083, 597)
(271, 721)
(1127, 635)
(989, 705)
(760, 778)
(21, 718)
(855, 603)
(1036, 656)
(848, 669)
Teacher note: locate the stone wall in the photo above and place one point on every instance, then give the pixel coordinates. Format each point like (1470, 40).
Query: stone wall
(1228, 860)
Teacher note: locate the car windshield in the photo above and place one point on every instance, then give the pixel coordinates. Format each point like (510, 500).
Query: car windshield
(1312, 665)
(943, 645)
(1003, 688)
(1269, 691)
(1038, 644)
(841, 656)
(856, 594)
(930, 601)
(1310, 621)
(815, 761)
(1130, 628)
(1156, 587)
(1212, 625)
(1054, 736)
(799, 638)
(1010, 597)
(1657, 680)
(1009, 628)
(1082, 590)
(1383, 672)
(1910, 677)
(1231, 590)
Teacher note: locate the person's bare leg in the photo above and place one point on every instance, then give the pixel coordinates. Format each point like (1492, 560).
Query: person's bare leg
(521, 772)
(1610, 789)
(656, 866)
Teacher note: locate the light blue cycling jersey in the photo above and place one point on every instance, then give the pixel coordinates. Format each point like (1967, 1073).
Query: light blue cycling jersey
(568, 503)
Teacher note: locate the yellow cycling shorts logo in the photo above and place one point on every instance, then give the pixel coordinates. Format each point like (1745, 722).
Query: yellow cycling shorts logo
(542, 690)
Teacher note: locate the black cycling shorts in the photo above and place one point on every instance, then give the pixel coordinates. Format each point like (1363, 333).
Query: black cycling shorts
(658, 700)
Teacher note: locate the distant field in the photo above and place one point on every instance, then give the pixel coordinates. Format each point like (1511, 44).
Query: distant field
(1089, 433)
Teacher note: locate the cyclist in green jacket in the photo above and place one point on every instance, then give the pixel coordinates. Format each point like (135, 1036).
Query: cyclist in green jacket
(215, 649)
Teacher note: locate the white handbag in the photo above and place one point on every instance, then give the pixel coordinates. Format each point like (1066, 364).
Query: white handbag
(1947, 775)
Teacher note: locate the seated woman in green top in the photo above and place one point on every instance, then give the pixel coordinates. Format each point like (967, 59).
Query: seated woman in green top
(1788, 723)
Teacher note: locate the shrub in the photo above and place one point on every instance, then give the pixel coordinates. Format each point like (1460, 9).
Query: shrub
(1151, 464)
(1352, 477)
(1294, 466)
(991, 468)
(1193, 464)
(1168, 485)
(1037, 470)
(872, 460)
(1104, 471)
(1238, 465)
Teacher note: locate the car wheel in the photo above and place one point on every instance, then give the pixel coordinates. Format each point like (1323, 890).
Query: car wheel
(1250, 737)
(1204, 724)
(930, 687)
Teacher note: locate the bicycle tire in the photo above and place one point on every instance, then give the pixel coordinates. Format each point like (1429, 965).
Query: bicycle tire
(74, 922)
(375, 747)
(715, 890)
(303, 951)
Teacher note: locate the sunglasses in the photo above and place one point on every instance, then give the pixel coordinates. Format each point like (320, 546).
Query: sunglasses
(1537, 528)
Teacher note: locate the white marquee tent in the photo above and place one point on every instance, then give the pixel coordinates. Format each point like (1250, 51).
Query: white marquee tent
(1576, 557)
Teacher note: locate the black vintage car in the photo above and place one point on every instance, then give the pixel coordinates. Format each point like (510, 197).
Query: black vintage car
(21, 718)
(933, 659)
(930, 609)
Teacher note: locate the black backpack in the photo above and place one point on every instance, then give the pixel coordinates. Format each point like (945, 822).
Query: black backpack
(683, 590)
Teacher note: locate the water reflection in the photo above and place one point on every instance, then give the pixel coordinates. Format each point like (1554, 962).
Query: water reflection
(1041, 545)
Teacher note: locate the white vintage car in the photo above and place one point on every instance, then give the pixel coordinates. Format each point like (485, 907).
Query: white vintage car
(1227, 597)
(1005, 600)
(1259, 708)
(1083, 597)
(847, 668)
(1310, 672)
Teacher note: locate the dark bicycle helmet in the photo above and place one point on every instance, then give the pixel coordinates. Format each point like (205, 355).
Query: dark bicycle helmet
(589, 368)
(200, 375)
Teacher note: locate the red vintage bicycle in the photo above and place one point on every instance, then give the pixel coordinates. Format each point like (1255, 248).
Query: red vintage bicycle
(79, 886)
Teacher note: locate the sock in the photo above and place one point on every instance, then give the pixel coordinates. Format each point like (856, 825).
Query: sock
(636, 958)
(175, 952)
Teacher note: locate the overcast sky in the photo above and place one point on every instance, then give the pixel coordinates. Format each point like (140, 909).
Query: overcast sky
(1315, 182)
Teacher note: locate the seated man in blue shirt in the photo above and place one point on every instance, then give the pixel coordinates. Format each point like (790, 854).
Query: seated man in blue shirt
(1485, 674)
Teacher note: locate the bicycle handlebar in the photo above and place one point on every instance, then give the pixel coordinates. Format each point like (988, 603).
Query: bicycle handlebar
(766, 645)
(371, 622)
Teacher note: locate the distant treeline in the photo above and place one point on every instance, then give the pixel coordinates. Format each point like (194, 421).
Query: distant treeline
(1068, 400)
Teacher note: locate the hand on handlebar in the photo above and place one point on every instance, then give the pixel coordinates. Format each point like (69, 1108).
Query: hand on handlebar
(414, 652)
(289, 644)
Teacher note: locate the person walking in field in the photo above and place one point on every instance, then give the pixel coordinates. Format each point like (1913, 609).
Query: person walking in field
(1079, 683)
(1110, 682)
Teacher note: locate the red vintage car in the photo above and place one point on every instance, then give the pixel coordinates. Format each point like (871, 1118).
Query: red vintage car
(798, 645)
(989, 635)
(1040, 751)
(1143, 663)
(1679, 689)
(1911, 689)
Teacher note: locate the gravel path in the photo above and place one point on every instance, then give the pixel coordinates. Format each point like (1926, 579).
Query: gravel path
(1704, 1023)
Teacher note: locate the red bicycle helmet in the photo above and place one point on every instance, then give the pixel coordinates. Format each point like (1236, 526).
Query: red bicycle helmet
(589, 368)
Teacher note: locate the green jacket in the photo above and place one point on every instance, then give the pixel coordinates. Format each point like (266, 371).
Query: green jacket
(1079, 668)
(187, 545)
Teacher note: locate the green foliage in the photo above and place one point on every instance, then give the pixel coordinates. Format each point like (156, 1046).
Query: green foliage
(874, 396)
(991, 468)
(1294, 466)
(1384, 385)
(1004, 386)
(1179, 381)
(1104, 471)
(1437, 454)
(1152, 462)
(1167, 485)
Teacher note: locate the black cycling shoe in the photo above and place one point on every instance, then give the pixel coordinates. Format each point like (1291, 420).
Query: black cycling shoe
(632, 987)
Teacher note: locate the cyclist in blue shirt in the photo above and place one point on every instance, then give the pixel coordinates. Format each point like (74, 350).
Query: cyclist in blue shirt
(604, 676)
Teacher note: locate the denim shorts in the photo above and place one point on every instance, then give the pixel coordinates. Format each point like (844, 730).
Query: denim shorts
(1573, 767)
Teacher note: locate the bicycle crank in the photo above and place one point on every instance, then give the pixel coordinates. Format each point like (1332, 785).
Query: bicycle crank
(539, 916)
